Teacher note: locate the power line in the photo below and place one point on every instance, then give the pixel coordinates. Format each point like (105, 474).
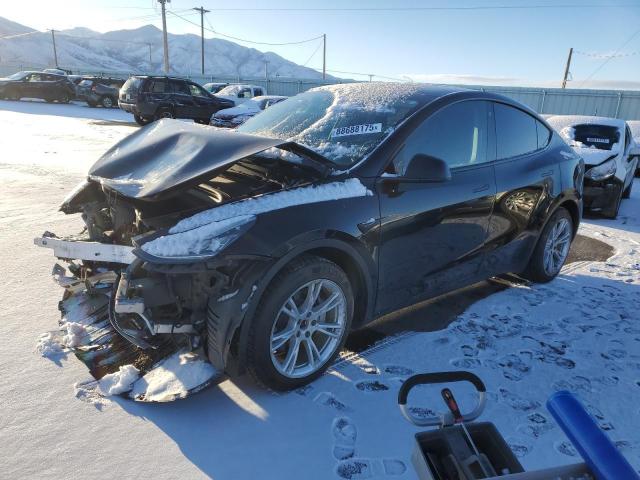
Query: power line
(244, 39)
(433, 8)
(611, 57)
(314, 52)
(607, 55)
(20, 35)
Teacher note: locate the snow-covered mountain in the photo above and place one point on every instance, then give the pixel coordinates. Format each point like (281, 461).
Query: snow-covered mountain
(128, 51)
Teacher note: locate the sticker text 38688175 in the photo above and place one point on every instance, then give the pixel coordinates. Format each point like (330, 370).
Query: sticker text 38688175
(356, 130)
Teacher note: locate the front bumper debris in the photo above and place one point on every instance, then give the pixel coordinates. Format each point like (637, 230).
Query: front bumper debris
(82, 250)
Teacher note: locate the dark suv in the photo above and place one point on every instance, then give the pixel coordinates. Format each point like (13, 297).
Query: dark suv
(99, 91)
(47, 86)
(151, 98)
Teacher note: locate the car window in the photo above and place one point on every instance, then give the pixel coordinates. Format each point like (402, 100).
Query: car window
(159, 86)
(196, 91)
(544, 134)
(35, 77)
(457, 134)
(516, 131)
(180, 87)
(244, 93)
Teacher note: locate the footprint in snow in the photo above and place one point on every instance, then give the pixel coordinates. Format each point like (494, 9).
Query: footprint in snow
(344, 434)
(574, 384)
(533, 299)
(360, 468)
(465, 363)
(469, 351)
(565, 448)
(517, 402)
(536, 426)
(398, 370)
(520, 446)
(371, 386)
(327, 399)
(304, 391)
(514, 367)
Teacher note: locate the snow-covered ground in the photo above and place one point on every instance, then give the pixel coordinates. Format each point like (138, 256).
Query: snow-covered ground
(580, 332)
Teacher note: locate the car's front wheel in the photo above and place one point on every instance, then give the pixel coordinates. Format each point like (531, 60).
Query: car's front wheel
(552, 248)
(300, 324)
(142, 121)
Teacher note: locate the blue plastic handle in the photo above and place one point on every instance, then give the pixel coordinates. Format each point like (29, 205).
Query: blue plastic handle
(599, 453)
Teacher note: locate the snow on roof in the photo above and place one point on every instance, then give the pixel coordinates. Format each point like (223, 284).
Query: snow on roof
(559, 122)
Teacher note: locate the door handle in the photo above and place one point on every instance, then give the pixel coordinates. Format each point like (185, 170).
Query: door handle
(482, 188)
(548, 173)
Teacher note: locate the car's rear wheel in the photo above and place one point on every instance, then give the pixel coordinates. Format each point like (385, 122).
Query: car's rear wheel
(106, 101)
(141, 120)
(552, 248)
(164, 113)
(64, 98)
(300, 324)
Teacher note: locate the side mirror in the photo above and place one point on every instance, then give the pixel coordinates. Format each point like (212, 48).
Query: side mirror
(427, 169)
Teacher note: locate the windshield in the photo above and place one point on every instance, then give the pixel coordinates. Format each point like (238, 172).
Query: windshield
(342, 123)
(602, 137)
(18, 76)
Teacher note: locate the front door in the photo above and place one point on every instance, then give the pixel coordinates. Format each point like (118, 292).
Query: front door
(433, 234)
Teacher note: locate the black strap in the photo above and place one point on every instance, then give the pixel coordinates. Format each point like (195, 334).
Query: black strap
(438, 377)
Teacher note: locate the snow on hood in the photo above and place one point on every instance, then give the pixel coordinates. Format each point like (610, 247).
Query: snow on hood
(248, 107)
(594, 156)
(200, 234)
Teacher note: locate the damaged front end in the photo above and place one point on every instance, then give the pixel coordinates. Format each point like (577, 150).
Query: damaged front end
(142, 290)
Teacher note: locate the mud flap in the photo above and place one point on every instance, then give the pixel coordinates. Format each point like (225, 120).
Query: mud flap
(103, 350)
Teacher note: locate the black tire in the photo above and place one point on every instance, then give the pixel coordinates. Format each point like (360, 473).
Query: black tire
(627, 191)
(107, 101)
(611, 212)
(142, 121)
(535, 270)
(64, 98)
(164, 113)
(295, 275)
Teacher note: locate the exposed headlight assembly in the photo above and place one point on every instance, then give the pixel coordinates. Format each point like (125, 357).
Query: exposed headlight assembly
(603, 171)
(198, 243)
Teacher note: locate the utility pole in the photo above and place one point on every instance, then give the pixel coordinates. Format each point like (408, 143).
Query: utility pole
(165, 43)
(55, 52)
(324, 56)
(150, 61)
(202, 12)
(566, 69)
(266, 70)
(370, 77)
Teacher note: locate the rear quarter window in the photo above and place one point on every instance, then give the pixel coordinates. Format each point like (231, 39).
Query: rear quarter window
(516, 131)
(544, 135)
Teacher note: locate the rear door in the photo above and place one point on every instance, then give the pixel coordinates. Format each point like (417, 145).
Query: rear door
(433, 234)
(527, 179)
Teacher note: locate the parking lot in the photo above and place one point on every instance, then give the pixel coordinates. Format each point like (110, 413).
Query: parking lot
(522, 339)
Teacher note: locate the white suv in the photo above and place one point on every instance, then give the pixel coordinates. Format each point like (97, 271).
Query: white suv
(239, 93)
(610, 156)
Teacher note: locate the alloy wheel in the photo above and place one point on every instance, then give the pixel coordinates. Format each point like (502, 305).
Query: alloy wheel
(308, 328)
(557, 246)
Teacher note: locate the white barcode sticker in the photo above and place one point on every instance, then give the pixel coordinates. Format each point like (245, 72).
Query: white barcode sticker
(356, 130)
(597, 140)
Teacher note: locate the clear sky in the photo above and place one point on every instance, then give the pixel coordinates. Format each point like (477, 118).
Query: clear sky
(517, 46)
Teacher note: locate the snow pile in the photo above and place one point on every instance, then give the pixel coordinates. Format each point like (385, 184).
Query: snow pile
(173, 378)
(204, 232)
(276, 201)
(75, 333)
(118, 382)
(48, 345)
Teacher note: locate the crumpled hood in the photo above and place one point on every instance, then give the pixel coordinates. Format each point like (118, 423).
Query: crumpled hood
(168, 154)
(594, 156)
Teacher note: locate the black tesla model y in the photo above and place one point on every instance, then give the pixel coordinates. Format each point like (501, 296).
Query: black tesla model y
(262, 248)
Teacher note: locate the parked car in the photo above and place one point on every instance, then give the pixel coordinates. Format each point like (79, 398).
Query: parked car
(269, 243)
(634, 125)
(240, 93)
(46, 86)
(56, 71)
(99, 91)
(234, 116)
(214, 87)
(610, 155)
(151, 98)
